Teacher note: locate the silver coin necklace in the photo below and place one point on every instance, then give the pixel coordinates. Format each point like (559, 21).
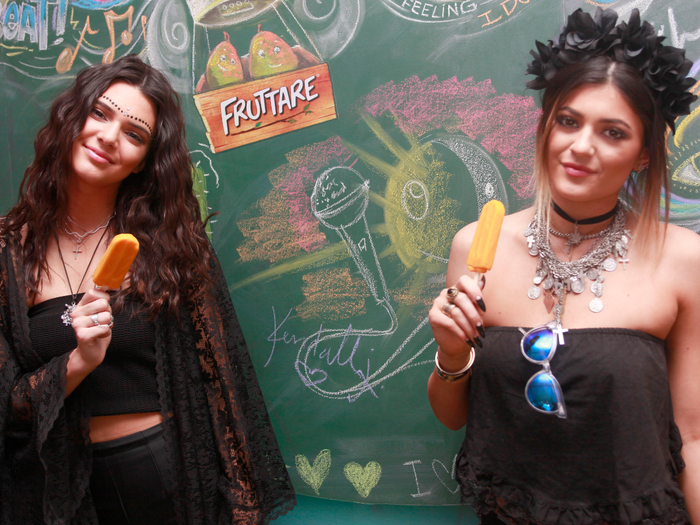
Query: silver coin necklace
(557, 277)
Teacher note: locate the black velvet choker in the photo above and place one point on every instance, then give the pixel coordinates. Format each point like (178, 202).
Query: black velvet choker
(591, 220)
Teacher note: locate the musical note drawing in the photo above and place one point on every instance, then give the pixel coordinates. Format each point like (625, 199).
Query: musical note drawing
(67, 56)
(111, 17)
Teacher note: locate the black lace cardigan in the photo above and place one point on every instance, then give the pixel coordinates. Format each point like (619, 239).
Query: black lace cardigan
(224, 455)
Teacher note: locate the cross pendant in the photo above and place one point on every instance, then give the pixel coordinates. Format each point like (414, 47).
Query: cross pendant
(77, 251)
(560, 333)
(624, 263)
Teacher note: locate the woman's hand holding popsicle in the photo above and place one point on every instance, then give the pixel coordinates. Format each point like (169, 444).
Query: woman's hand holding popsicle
(92, 316)
(456, 315)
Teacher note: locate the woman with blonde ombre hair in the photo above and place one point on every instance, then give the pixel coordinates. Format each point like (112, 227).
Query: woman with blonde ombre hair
(575, 368)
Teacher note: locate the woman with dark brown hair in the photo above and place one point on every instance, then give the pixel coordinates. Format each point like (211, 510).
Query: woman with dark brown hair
(575, 369)
(140, 405)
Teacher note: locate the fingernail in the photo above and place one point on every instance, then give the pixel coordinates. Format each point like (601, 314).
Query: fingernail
(471, 343)
(482, 281)
(480, 329)
(480, 302)
(478, 342)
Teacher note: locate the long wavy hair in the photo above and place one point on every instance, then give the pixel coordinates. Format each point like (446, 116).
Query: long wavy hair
(643, 191)
(157, 205)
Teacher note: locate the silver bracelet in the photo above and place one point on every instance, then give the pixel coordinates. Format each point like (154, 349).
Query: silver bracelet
(454, 376)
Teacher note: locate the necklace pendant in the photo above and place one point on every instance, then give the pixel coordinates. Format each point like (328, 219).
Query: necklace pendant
(533, 292)
(532, 246)
(548, 283)
(596, 305)
(65, 317)
(549, 301)
(609, 264)
(560, 333)
(573, 240)
(577, 285)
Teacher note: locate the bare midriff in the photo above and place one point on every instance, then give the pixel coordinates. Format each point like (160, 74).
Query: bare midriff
(107, 428)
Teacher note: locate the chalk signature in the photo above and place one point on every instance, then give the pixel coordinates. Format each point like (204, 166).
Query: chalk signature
(318, 358)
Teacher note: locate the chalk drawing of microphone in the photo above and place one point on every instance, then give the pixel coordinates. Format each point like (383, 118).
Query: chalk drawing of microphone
(339, 201)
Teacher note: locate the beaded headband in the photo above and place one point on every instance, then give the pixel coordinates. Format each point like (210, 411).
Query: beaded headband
(126, 113)
(664, 69)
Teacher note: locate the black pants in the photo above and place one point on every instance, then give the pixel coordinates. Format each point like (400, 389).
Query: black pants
(130, 483)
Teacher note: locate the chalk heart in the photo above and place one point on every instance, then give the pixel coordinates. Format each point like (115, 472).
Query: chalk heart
(314, 476)
(440, 476)
(363, 479)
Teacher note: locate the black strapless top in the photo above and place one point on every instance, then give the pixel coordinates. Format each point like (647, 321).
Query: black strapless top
(616, 457)
(125, 382)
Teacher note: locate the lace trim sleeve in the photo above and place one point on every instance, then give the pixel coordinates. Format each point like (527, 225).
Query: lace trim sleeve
(256, 475)
(36, 399)
(35, 418)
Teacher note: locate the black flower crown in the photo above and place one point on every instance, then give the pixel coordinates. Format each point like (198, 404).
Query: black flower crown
(664, 68)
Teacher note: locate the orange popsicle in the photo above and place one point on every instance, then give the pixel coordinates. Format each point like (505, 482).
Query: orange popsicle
(116, 261)
(483, 249)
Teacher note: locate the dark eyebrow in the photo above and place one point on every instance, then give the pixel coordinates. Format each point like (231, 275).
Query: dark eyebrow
(607, 120)
(131, 121)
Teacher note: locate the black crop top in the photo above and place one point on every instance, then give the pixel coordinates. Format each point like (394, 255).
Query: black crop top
(125, 382)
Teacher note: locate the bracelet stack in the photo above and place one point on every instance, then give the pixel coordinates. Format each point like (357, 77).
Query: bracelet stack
(454, 376)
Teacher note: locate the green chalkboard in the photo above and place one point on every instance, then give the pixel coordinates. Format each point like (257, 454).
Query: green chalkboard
(340, 174)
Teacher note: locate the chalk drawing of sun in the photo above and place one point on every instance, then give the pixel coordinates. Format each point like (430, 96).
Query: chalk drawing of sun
(459, 142)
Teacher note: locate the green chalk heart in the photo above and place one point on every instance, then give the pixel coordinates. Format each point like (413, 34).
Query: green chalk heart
(314, 476)
(363, 479)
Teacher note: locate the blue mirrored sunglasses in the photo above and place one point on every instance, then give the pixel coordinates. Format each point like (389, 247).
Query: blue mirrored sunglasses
(543, 391)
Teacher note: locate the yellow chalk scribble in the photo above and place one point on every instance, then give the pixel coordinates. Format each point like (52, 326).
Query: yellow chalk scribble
(680, 131)
(363, 479)
(331, 254)
(421, 216)
(333, 294)
(316, 474)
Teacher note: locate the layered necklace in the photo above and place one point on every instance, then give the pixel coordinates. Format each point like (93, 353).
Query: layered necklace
(65, 316)
(79, 238)
(575, 238)
(558, 277)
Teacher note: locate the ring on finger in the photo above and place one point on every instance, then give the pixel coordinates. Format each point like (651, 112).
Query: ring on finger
(452, 294)
(94, 319)
(111, 321)
(447, 309)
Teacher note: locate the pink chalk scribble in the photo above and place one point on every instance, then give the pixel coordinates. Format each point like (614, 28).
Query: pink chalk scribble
(296, 178)
(503, 124)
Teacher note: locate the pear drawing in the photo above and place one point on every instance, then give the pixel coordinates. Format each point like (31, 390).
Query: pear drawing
(224, 65)
(270, 55)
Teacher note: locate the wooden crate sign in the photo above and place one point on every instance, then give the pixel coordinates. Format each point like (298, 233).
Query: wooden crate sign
(245, 113)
